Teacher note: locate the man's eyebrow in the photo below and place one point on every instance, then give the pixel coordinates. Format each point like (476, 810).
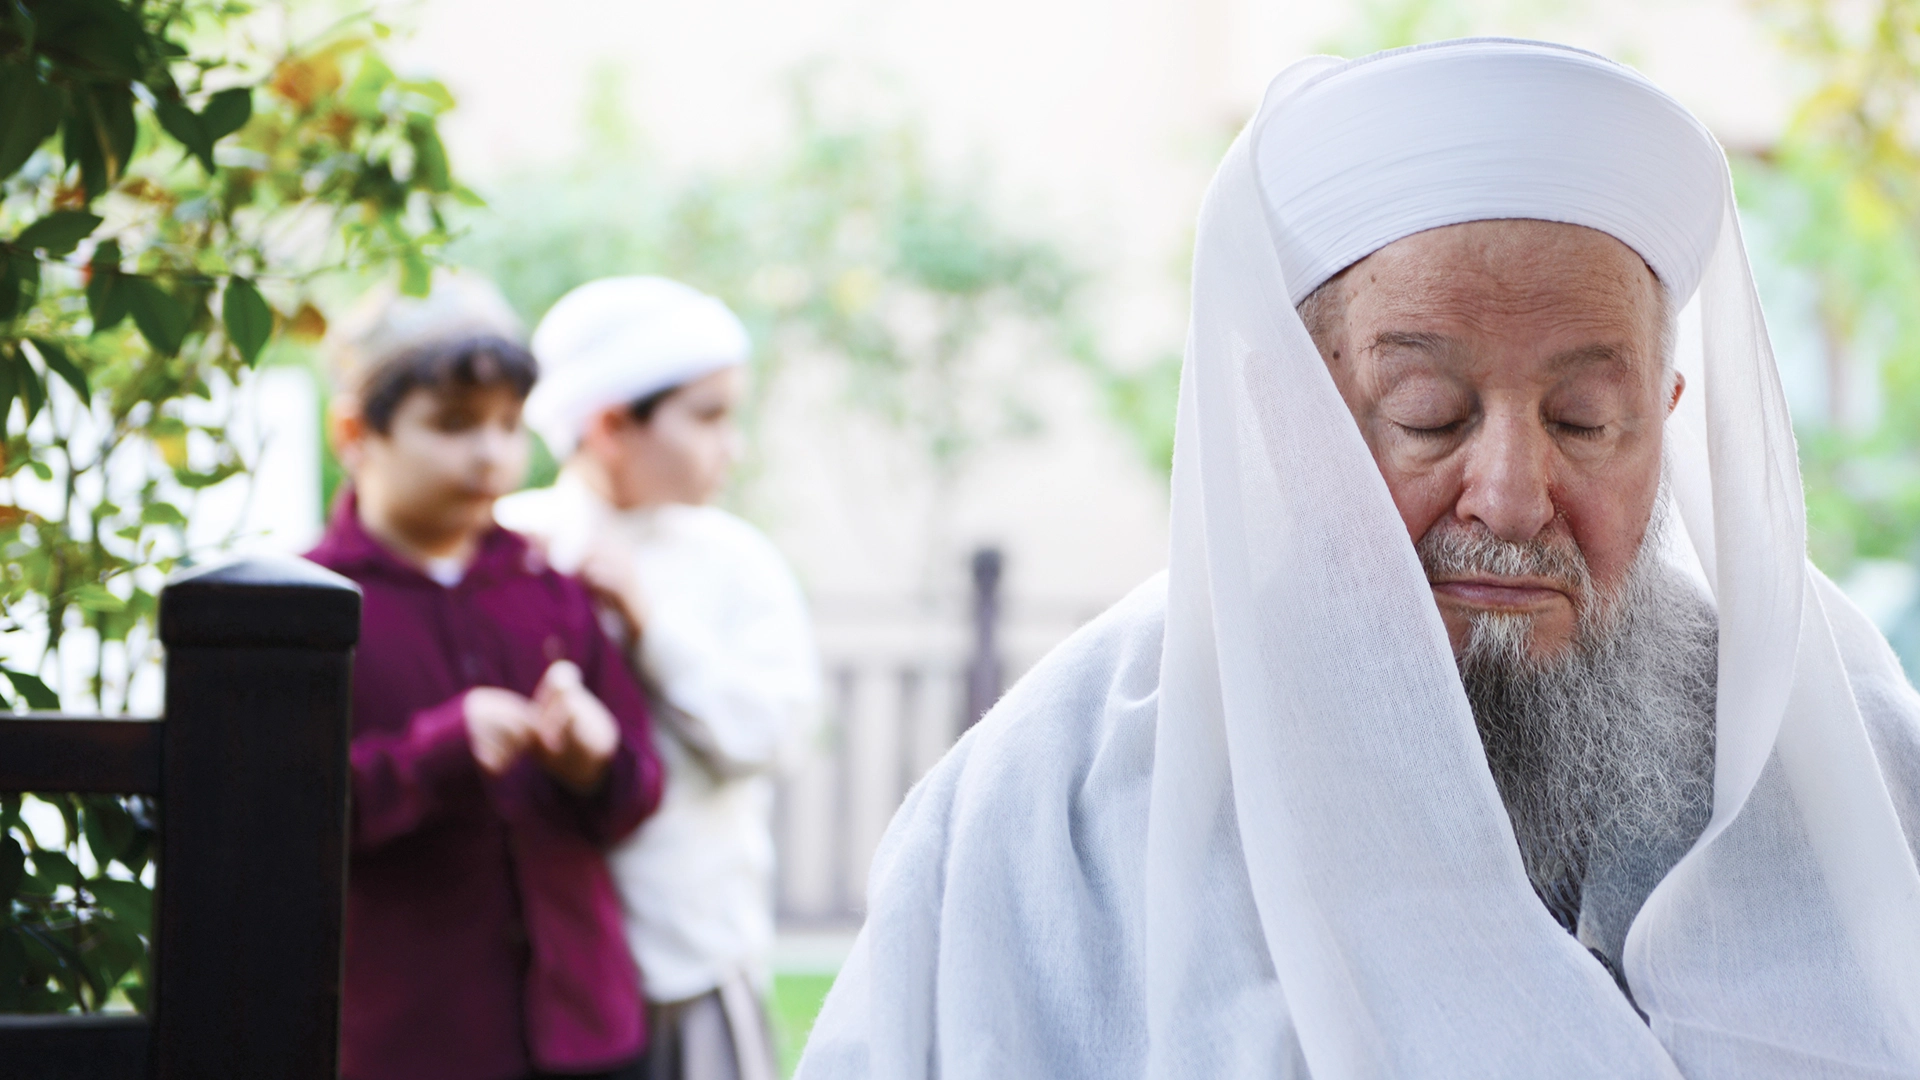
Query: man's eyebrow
(1397, 351)
(1435, 344)
(1602, 354)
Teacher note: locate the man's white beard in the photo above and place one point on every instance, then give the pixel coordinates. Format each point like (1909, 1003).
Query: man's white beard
(1603, 754)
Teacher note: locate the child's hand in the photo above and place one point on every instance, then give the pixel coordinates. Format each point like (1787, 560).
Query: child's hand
(576, 734)
(500, 726)
(607, 572)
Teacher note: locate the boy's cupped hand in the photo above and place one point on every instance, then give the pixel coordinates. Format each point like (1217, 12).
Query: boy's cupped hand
(576, 735)
(569, 732)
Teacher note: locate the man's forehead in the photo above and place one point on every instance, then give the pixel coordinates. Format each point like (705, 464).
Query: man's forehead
(1509, 255)
(1398, 353)
(1575, 288)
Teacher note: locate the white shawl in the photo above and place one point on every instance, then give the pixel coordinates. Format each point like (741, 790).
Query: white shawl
(1242, 825)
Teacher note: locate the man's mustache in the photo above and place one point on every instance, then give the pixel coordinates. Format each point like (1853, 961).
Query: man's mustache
(1452, 550)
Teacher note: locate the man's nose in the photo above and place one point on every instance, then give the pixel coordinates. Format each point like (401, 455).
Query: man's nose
(1507, 479)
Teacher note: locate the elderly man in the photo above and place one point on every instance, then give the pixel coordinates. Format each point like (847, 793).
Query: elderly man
(1489, 720)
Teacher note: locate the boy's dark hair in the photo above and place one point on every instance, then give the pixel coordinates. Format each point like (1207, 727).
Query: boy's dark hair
(643, 409)
(460, 364)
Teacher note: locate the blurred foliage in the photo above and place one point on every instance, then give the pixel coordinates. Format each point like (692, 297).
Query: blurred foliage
(168, 204)
(1842, 190)
(844, 246)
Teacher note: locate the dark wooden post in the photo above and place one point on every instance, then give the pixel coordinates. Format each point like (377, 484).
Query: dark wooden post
(252, 870)
(985, 677)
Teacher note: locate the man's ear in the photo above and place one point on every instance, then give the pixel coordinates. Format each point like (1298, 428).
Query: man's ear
(602, 427)
(1679, 386)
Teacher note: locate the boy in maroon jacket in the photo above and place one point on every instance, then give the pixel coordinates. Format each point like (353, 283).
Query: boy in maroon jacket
(500, 743)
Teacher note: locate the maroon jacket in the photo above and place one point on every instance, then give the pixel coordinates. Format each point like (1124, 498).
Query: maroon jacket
(483, 931)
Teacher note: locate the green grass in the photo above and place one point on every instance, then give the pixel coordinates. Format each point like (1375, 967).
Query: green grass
(796, 1001)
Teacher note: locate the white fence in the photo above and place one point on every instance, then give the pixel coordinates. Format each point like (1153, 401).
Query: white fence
(897, 698)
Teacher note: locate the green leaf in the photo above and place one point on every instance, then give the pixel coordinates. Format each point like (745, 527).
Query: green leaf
(114, 950)
(95, 598)
(33, 393)
(58, 233)
(363, 96)
(8, 389)
(106, 298)
(13, 968)
(55, 955)
(435, 92)
(13, 867)
(188, 478)
(54, 355)
(39, 695)
(416, 274)
(163, 320)
(248, 319)
(13, 971)
(55, 868)
(186, 127)
(160, 513)
(128, 900)
(30, 112)
(100, 39)
(431, 168)
(19, 276)
(227, 112)
(99, 133)
(108, 827)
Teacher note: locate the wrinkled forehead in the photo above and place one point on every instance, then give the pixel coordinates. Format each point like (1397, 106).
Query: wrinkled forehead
(1354, 155)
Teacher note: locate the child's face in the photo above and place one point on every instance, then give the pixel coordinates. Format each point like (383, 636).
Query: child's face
(447, 455)
(682, 453)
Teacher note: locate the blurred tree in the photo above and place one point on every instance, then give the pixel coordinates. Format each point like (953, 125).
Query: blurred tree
(1841, 189)
(169, 203)
(845, 246)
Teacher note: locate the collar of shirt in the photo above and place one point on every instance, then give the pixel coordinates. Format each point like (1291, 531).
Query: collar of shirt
(347, 546)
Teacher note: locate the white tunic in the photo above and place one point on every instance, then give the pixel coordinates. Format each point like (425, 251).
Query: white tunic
(728, 654)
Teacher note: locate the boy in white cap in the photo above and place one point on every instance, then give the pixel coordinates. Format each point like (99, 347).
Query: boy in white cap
(640, 378)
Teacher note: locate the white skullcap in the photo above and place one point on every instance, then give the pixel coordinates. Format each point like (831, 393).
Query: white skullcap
(1355, 155)
(617, 340)
(386, 325)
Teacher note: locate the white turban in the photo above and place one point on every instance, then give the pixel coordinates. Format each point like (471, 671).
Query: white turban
(618, 340)
(1243, 825)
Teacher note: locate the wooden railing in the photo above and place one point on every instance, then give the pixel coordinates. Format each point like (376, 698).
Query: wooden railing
(901, 687)
(249, 767)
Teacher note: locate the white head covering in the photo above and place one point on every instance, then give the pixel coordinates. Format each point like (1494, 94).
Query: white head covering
(1329, 884)
(617, 340)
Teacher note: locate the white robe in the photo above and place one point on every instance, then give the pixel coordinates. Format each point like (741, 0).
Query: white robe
(1047, 798)
(728, 653)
